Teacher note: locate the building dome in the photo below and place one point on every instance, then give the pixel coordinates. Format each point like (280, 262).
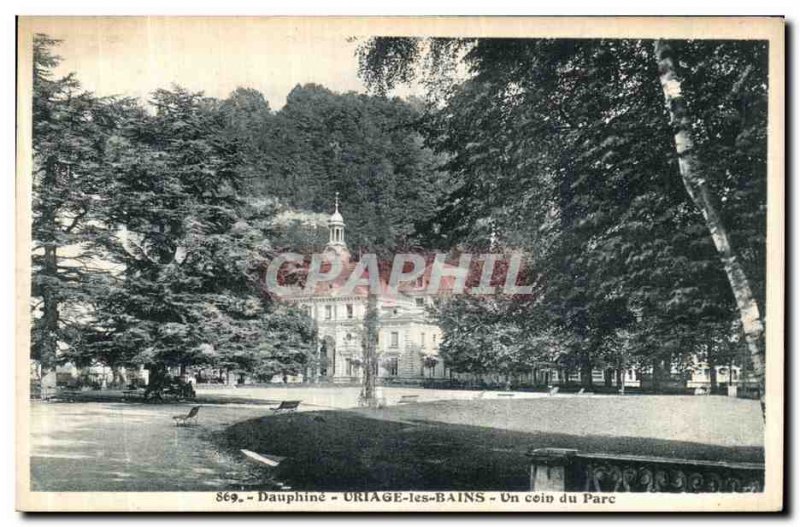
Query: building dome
(336, 218)
(336, 242)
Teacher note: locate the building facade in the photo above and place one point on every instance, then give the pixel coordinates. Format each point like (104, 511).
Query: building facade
(408, 341)
(408, 338)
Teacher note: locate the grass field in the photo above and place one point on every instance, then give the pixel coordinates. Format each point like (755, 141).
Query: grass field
(482, 444)
(447, 443)
(132, 447)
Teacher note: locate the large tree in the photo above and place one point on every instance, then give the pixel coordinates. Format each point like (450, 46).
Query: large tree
(696, 182)
(70, 133)
(192, 251)
(566, 149)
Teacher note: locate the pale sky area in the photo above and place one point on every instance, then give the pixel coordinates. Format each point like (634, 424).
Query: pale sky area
(134, 56)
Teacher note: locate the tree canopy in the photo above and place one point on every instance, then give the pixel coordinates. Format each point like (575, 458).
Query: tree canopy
(565, 148)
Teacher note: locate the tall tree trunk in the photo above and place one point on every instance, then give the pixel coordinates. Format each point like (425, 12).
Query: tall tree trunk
(586, 373)
(711, 360)
(656, 377)
(712, 372)
(697, 189)
(49, 337)
(369, 349)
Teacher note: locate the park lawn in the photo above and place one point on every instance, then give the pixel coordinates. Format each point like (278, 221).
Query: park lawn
(115, 447)
(471, 445)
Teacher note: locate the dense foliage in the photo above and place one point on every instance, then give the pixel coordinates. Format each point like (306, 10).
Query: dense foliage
(565, 149)
(153, 223)
(365, 148)
(169, 256)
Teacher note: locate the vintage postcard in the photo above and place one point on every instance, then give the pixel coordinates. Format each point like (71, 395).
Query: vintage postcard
(400, 264)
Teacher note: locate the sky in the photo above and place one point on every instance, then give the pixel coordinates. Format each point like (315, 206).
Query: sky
(133, 56)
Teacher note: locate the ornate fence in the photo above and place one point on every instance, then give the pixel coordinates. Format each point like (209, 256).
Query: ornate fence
(554, 469)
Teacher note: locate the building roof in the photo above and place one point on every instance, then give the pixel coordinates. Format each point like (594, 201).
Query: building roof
(406, 290)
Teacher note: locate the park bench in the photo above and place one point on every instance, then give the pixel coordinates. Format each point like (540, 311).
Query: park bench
(185, 420)
(286, 407)
(505, 395)
(408, 399)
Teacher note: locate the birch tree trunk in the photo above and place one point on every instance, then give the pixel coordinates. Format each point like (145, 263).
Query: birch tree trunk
(695, 184)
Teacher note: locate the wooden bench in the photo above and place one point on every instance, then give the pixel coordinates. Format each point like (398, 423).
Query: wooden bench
(186, 420)
(408, 399)
(287, 407)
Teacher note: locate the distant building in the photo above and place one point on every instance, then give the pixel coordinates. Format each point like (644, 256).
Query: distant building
(408, 341)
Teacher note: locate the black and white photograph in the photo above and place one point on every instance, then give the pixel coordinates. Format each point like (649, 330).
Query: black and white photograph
(412, 264)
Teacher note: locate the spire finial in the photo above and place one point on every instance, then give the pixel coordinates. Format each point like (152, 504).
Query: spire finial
(336, 202)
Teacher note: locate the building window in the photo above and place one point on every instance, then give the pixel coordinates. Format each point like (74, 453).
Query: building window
(420, 281)
(349, 337)
(422, 339)
(349, 310)
(420, 302)
(328, 312)
(395, 342)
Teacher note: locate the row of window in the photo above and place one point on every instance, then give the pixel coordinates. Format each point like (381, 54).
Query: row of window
(706, 372)
(394, 339)
(392, 367)
(330, 311)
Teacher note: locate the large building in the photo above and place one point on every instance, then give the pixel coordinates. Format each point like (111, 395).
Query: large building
(408, 342)
(408, 338)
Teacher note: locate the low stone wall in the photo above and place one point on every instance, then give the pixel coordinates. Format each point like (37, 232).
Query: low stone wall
(565, 470)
